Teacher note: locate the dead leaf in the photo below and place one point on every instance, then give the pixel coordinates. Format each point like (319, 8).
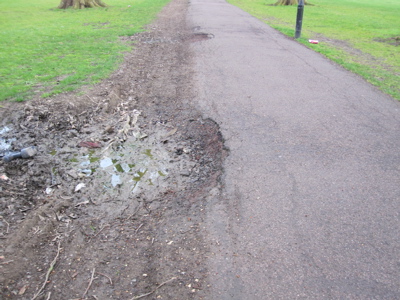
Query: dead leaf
(172, 132)
(23, 290)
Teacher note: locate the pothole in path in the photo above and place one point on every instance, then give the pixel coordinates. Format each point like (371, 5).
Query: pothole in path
(200, 36)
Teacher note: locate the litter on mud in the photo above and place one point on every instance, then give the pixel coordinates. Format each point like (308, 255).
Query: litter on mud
(28, 152)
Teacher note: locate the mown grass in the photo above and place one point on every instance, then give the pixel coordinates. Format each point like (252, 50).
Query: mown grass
(47, 50)
(354, 33)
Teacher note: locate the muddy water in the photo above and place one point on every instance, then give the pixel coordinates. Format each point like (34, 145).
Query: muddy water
(123, 170)
(129, 170)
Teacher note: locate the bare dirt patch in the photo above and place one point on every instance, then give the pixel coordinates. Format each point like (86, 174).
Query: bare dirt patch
(112, 206)
(395, 41)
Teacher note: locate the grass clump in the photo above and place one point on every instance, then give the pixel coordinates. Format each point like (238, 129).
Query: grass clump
(361, 35)
(48, 50)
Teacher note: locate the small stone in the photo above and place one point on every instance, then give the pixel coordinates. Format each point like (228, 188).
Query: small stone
(79, 187)
(73, 174)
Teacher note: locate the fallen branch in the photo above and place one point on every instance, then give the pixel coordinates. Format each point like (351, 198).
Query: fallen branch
(48, 272)
(90, 283)
(6, 262)
(147, 294)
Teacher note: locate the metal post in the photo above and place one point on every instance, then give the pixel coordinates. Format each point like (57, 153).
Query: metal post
(299, 20)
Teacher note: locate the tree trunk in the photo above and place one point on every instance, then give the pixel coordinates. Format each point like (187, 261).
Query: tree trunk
(288, 2)
(81, 4)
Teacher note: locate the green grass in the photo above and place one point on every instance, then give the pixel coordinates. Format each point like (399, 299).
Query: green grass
(353, 33)
(47, 50)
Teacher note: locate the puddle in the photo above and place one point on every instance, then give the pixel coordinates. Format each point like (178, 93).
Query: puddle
(127, 170)
(200, 36)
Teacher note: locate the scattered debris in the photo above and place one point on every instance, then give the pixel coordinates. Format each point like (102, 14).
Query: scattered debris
(313, 41)
(4, 177)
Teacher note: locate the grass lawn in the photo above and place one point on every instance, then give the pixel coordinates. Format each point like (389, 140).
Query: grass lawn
(358, 34)
(47, 50)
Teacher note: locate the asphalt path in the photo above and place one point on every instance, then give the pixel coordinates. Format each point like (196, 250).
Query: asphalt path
(309, 201)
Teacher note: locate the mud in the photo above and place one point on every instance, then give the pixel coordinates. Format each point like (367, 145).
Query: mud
(112, 206)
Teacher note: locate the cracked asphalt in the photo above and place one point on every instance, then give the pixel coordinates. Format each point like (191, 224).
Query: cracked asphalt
(308, 207)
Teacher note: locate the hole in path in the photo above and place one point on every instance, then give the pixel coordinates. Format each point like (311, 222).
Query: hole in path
(200, 36)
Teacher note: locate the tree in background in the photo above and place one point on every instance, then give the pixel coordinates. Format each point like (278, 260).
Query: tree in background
(81, 4)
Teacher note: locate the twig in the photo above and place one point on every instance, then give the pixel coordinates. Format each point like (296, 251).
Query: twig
(16, 193)
(133, 213)
(107, 225)
(6, 262)
(90, 283)
(8, 225)
(109, 278)
(90, 99)
(48, 296)
(82, 203)
(137, 229)
(122, 212)
(147, 294)
(112, 141)
(48, 272)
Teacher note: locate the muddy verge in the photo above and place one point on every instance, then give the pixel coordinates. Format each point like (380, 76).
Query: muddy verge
(112, 206)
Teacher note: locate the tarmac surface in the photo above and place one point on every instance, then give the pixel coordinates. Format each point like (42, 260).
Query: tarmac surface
(309, 207)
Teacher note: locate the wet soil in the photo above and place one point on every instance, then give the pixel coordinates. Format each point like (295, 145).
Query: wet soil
(112, 206)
